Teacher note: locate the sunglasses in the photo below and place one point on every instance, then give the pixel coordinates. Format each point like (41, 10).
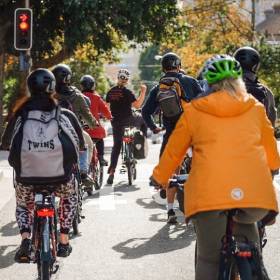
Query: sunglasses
(123, 78)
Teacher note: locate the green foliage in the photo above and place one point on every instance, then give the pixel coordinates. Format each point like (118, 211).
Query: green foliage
(150, 68)
(270, 68)
(80, 68)
(63, 26)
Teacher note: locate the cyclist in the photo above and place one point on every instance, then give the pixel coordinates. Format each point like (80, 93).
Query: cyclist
(171, 66)
(71, 98)
(98, 108)
(234, 150)
(249, 59)
(41, 85)
(121, 101)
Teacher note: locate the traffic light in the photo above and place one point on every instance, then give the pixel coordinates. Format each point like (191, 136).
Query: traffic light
(23, 29)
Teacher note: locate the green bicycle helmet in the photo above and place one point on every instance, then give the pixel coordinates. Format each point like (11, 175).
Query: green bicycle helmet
(221, 67)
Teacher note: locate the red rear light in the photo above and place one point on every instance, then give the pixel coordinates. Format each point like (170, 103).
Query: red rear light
(45, 212)
(127, 139)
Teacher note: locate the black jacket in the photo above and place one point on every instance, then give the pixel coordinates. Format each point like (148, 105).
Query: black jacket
(262, 94)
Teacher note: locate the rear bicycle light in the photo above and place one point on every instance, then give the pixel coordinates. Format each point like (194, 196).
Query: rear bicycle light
(45, 212)
(127, 139)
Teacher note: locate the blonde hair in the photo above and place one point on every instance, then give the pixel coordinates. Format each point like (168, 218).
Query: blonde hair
(234, 87)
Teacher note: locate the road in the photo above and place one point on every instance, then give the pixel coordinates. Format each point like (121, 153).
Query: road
(124, 235)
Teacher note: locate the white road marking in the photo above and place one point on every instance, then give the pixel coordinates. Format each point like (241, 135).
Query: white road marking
(106, 200)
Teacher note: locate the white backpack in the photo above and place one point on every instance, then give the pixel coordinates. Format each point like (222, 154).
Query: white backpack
(44, 148)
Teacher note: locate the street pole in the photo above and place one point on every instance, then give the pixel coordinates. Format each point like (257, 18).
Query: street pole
(253, 20)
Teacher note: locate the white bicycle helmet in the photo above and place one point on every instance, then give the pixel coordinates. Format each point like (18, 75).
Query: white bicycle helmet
(123, 74)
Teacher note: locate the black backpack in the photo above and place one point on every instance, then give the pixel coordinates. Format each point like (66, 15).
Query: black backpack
(169, 97)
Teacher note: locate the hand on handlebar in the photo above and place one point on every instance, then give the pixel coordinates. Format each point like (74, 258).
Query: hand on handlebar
(157, 130)
(154, 183)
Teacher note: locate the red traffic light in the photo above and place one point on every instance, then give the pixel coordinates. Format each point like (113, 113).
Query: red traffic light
(23, 29)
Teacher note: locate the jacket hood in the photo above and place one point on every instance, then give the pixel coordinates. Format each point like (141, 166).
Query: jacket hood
(222, 104)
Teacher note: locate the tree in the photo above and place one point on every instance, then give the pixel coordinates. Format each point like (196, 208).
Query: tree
(150, 68)
(216, 26)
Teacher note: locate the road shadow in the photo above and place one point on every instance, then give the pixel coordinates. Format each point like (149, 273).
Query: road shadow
(7, 259)
(10, 229)
(149, 203)
(167, 239)
(123, 186)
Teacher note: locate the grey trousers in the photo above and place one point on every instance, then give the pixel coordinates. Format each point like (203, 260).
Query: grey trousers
(210, 228)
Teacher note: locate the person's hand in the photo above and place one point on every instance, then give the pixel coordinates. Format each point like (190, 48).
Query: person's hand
(143, 88)
(154, 183)
(157, 130)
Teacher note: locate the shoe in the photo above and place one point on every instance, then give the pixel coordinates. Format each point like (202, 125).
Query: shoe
(103, 162)
(23, 253)
(171, 217)
(87, 181)
(110, 179)
(64, 250)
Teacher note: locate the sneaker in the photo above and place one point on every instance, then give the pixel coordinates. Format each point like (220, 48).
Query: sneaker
(171, 217)
(103, 162)
(110, 179)
(64, 250)
(23, 253)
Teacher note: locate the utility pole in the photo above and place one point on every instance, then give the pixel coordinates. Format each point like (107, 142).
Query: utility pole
(253, 20)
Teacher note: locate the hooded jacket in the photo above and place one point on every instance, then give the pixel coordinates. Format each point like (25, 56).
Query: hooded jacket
(233, 152)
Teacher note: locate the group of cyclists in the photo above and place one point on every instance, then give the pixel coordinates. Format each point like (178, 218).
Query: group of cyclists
(225, 115)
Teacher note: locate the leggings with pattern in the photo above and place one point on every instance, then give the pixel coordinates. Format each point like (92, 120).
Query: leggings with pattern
(25, 205)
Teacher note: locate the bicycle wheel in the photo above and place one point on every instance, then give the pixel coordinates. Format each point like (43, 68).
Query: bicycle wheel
(45, 264)
(129, 172)
(75, 224)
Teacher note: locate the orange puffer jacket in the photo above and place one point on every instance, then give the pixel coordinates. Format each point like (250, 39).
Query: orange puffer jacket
(234, 150)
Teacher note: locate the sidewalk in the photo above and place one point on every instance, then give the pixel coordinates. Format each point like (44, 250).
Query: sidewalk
(6, 179)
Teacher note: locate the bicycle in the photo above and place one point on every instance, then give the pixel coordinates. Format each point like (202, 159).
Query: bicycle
(44, 233)
(129, 162)
(96, 171)
(239, 259)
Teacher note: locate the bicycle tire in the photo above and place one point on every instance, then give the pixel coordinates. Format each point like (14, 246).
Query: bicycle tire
(75, 223)
(129, 172)
(45, 271)
(244, 269)
(45, 252)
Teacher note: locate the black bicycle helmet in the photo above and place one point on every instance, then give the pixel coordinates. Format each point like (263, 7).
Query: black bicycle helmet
(170, 61)
(248, 58)
(62, 73)
(40, 81)
(87, 82)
